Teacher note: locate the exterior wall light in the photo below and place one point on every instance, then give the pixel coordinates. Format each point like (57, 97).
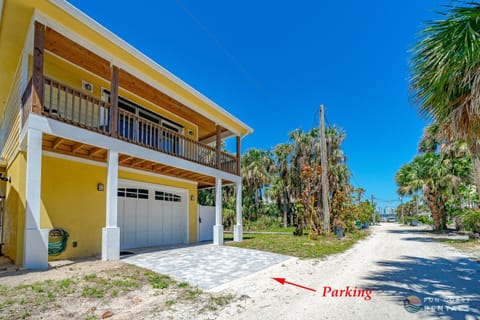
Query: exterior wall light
(100, 186)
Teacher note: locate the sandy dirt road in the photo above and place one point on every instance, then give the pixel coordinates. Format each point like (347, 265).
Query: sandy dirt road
(395, 262)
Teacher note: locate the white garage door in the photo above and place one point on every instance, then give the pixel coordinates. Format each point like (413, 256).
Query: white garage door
(150, 215)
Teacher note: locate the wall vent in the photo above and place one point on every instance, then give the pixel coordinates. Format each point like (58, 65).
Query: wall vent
(87, 86)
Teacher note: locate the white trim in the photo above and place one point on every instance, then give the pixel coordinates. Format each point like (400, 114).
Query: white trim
(35, 244)
(33, 179)
(94, 25)
(156, 175)
(60, 129)
(112, 189)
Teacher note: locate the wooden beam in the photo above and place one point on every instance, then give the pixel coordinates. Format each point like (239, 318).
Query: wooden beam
(137, 162)
(114, 102)
(37, 73)
(77, 147)
(238, 156)
(57, 142)
(218, 145)
(94, 151)
(126, 159)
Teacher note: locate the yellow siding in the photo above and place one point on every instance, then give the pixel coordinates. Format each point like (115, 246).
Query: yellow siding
(71, 75)
(11, 145)
(14, 209)
(70, 201)
(192, 190)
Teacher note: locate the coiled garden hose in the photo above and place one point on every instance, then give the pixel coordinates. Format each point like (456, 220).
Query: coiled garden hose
(57, 241)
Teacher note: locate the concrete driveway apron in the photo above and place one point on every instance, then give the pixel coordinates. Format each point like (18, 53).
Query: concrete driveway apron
(205, 265)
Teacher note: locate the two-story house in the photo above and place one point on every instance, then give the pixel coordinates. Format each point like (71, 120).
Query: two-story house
(101, 141)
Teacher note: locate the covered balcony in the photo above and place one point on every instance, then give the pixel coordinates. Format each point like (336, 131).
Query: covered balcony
(56, 100)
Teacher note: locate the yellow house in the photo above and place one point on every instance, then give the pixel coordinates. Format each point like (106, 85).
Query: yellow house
(100, 141)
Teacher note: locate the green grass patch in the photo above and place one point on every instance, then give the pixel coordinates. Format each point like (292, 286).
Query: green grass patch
(300, 247)
(158, 281)
(183, 285)
(92, 292)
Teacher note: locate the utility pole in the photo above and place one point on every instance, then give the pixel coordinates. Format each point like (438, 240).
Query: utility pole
(324, 165)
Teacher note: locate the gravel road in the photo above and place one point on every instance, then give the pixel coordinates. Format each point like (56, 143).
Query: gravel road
(394, 262)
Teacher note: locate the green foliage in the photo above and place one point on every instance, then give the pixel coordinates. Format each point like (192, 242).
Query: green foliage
(93, 292)
(158, 281)
(471, 220)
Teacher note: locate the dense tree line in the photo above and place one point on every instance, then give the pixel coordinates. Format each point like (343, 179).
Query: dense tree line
(282, 186)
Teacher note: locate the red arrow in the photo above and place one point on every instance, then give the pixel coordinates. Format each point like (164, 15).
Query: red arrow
(283, 281)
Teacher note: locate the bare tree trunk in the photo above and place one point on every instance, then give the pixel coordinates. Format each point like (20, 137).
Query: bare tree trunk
(442, 215)
(432, 204)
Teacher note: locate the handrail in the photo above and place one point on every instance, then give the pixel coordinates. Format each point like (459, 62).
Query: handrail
(72, 106)
(69, 105)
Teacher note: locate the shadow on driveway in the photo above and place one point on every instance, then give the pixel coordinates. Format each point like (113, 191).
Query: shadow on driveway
(448, 288)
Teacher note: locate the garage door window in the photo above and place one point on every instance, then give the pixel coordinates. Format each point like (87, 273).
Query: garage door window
(133, 193)
(166, 196)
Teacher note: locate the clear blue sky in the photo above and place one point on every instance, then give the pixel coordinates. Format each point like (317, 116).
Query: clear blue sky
(272, 63)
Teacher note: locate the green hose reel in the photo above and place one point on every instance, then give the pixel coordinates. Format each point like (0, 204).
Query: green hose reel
(57, 241)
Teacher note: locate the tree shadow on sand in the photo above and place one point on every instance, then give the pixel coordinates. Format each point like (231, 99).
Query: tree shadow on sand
(448, 288)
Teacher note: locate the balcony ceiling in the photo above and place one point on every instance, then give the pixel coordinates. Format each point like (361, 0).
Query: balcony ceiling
(72, 148)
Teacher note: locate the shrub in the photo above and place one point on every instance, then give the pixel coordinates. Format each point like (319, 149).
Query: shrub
(471, 220)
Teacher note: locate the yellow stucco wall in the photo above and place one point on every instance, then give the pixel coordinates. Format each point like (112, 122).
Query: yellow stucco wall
(14, 209)
(70, 201)
(192, 190)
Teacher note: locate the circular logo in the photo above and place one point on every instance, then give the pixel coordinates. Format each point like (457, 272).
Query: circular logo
(412, 304)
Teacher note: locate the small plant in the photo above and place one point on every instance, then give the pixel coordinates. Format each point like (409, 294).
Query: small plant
(221, 300)
(38, 287)
(92, 292)
(169, 303)
(65, 283)
(90, 277)
(183, 285)
(158, 281)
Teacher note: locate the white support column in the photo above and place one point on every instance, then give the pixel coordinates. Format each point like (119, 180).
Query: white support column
(218, 227)
(238, 229)
(111, 232)
(35, 246)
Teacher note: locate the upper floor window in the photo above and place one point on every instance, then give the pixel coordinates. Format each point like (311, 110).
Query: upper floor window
(144, 113)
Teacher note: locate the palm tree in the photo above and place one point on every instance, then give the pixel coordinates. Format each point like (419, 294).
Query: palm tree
(257, 168)
(282, 153)
(446, 76)
(438, 176)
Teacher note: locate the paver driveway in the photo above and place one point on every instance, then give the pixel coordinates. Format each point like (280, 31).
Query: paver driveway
(205, 265)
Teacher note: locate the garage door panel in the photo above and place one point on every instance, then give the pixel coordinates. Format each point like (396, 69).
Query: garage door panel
(141, 235)
(129, 221)
(156, 219)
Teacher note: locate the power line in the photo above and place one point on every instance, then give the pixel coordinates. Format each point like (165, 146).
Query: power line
(225, 50)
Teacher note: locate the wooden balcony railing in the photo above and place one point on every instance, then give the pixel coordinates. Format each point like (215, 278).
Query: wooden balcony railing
(79, 109)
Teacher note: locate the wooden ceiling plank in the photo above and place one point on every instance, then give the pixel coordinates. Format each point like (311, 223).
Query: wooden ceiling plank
(77, 147)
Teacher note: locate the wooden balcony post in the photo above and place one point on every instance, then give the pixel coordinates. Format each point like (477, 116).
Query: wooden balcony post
(238, 155)
(114, 102)
(218, 146)
(37, 73)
